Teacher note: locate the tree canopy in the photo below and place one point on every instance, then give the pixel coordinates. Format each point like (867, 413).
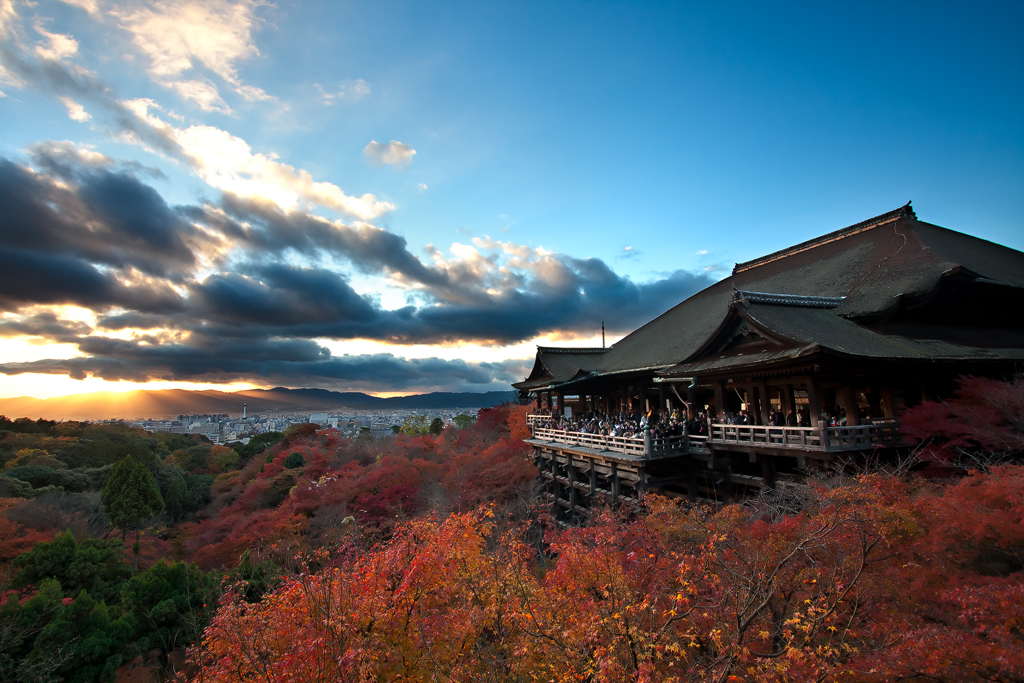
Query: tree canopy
(130, 497)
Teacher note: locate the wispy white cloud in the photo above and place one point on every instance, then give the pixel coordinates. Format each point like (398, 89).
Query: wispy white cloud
(348, 90)
(7, 16)
(179, 36)
(203, 93)
(90, 6)
(57, 45)
(76, 112)
(228, 163)
(394, 153)
(252, 94)
(422, 187)
(703, 252)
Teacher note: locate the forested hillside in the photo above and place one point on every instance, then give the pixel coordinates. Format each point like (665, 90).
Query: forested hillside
(75, 609)
(305, 556)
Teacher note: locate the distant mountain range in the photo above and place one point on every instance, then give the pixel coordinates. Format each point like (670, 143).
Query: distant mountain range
(168, 403)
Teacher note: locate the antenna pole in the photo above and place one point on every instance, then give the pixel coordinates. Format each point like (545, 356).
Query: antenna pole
(602, 334)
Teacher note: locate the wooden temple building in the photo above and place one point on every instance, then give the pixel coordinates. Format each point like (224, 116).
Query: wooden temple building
(866, 321)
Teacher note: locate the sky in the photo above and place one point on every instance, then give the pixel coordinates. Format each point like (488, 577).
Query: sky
(402, 197)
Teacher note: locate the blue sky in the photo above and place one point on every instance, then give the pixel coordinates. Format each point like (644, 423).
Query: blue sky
(635, 149)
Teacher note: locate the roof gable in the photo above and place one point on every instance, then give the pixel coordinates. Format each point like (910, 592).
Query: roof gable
(816, 291)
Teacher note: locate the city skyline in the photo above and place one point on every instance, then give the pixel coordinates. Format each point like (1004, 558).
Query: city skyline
(401, 198)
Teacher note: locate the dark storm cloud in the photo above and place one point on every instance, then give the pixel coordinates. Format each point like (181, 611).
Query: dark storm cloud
(294, 363)
(29, 277)
(278, 295)
(581, 294)
(575, 294)
(269, 301)
(99, 216)
(82, 229)
(368, 248)
(47, 325)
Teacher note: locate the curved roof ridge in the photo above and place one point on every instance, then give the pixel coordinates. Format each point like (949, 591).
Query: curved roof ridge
(882, 219)
(746, 296)
(571, 349)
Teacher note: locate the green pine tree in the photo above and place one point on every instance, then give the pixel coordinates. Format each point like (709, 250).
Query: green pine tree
(131, 497)
(177, 498)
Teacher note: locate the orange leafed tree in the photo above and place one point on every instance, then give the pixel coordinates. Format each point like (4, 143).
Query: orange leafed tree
(866, 582)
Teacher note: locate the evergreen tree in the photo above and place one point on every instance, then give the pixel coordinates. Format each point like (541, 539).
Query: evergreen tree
(463, 421)
(177, 498)
(130, 497)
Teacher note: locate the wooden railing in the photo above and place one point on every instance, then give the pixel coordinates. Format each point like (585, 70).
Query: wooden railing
(666, 445)
(861, 437)
(804, 438)
(879, 435)
(537, 418)
(649, 446)
(599, 442)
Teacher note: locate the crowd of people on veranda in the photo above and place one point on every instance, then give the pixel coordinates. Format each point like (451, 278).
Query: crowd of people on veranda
(628, 425)
(634, 424)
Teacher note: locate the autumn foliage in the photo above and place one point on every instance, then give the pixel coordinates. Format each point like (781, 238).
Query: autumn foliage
(426, 557)
(876, 579)
(378, 484)
(985, 418)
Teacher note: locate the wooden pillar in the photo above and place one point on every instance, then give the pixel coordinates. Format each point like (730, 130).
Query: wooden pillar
(786, 398)
(874, 398)
(593, 480)
(887, 401)
(616, 485)
(750, 398)
(661, 399)
(561, 403)
(691, 409)
(850, 406)
(727, 488)
(814, 400)
(768, 470)
(765, 402)
(719, 401)
(552, 484)
(571, 474)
